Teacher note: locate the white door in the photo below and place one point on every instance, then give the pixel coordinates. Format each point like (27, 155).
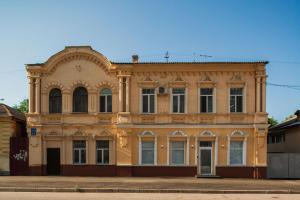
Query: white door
(205, 158)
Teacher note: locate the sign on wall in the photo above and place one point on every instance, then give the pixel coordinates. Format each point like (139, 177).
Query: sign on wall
(33, 131)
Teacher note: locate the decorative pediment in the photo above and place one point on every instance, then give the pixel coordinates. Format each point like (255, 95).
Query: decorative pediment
(147, 134)
(54, 134)
(104, 133)
(206, 81)
(79, 132)
(237, 133)
(207, 134)
(75, 53)
(236, 80)
(148, 82)
(178, 82)
(178, 134)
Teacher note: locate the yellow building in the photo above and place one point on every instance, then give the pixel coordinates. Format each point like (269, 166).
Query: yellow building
(90, 116)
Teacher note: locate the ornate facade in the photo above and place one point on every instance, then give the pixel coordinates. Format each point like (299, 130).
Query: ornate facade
(90, 116)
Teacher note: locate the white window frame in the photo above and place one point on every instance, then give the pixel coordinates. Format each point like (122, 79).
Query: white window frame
(244, 140)
(102, 152)
(147, 134)
(178, 106)
(141, 101)
(184, 153)
(80, 149)
(243, 102)
(105, 96)
(214, 103)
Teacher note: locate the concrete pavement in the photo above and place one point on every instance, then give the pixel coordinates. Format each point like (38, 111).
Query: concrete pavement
(143, 184)
(144, 196)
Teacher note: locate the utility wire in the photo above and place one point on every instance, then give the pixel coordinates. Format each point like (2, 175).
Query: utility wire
(295, 87)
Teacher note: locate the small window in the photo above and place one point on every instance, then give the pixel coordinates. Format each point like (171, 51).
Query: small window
(105, 100)
(148, 100)
(79, 151)
(102, 151)
(178, 97)
(236, 100)
(177, 152)
(148, 152)
(55, 101)
(80, 100)
(206, 100)
(236, 152)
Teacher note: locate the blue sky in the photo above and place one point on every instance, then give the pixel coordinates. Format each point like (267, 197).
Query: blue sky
(31, 31)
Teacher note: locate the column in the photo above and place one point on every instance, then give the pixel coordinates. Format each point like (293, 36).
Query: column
(37, 95)
(31, 91)
(127, 94)
(196, 151)
(216, 151)
(120, 94)
(257, 93)
(168, 150)
(188, 150)
(264, 94)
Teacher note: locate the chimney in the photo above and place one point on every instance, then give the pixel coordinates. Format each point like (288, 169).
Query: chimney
(135, 58)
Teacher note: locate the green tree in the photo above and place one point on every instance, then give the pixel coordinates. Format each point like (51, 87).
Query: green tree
(272, 121)
(22, 106)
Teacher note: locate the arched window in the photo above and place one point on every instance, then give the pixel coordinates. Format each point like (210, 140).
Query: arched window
(105, 100)
(55, 101)
(80, 100)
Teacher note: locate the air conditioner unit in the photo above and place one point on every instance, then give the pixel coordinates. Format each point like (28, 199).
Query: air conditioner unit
(162, 91)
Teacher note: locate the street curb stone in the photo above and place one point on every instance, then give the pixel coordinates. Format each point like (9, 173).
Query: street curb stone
(141, 190)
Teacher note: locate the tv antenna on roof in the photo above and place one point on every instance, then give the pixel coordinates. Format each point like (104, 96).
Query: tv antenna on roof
(167, 56)
(204, 56)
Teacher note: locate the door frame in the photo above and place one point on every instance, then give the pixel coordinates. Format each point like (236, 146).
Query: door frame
(199, 159)
(56, 148)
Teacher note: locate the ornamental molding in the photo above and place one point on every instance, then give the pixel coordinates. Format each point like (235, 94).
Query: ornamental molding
(103, 133)
(206, 81)
(79, 83)
(106, 84)
(178, 82)
(236, 80)
(54, 84)
(63, 57)
(165, 74)
(147, 82)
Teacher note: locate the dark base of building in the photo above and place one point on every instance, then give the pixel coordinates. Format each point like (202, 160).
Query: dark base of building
(149, 171)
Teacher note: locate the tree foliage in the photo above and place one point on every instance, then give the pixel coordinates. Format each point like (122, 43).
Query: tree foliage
(272, 121)
(22, 106)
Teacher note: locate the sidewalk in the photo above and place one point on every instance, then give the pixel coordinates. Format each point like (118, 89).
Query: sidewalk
(141, 184)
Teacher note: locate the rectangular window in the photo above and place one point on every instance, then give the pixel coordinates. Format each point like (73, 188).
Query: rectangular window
(236, 152)
(206, 100)
(79, 151)
(178, 97)
(236, 99)
(177, 153)
(147, 152)
(148, 100)
(102, 151)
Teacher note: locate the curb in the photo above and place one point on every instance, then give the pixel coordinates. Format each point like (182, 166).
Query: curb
(125, 190)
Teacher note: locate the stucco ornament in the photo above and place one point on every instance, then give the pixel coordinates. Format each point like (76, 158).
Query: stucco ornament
(123, 138)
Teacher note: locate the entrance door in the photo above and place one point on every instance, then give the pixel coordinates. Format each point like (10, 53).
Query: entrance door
(205, 154)
(53, 161)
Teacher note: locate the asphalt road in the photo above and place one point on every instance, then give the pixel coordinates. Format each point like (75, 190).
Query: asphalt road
(138, 196)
